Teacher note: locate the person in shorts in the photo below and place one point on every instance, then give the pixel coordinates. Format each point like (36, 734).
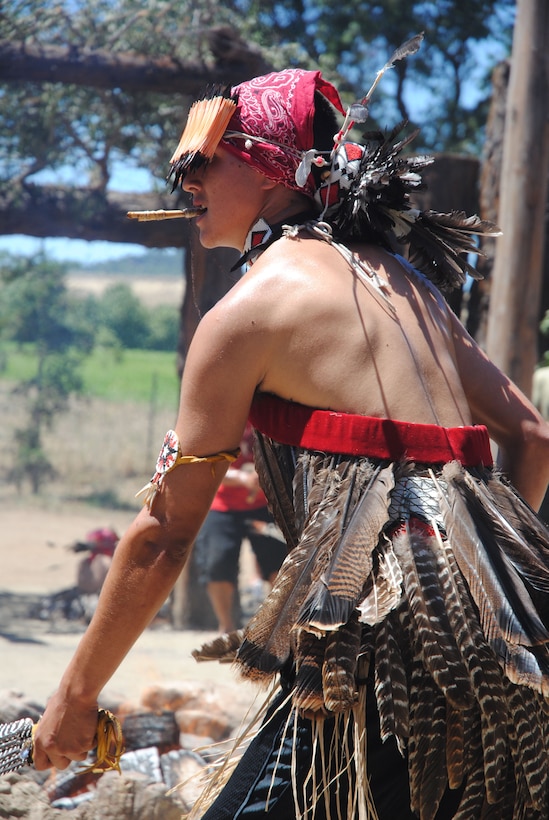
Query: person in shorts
(239, 510)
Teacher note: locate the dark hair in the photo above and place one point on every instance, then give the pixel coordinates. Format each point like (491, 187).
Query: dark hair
(325, 123)
(325, 127)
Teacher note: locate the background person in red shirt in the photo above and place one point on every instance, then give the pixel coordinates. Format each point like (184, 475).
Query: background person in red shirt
(239, 510)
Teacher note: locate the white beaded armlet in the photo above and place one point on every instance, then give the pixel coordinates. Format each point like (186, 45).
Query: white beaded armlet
(170, 456)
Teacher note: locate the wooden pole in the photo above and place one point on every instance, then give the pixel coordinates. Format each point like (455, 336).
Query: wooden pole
(516, 287)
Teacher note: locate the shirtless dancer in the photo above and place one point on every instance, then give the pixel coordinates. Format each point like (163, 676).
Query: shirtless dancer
(414, 597)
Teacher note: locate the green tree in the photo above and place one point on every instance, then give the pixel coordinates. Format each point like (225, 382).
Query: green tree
(163, 328)
(37, 308)
(463, 40)
(124, 315)
(33, 311)
(123, 321)
(83, 130)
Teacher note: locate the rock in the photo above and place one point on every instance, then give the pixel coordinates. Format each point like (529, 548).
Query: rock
(117, 703)
(163, 772)
(183, 771)
(202, 723)
(205, 747)
(14, 706)
(73, 802)
(172, 696)
(72, 780)
(26, 799)
(143, 728)
(198, 707)
(145, 761)
(130, 796)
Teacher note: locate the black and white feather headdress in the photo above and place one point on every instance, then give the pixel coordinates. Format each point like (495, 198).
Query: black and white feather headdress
(366, 191)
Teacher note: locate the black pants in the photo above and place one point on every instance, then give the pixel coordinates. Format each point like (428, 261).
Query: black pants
(217, 547)
(252, 784)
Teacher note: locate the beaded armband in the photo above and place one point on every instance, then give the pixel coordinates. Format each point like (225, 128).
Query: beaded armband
(170, 456)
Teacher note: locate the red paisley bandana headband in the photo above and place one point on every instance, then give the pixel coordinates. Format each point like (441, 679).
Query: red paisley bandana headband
(266, 122)
(364, 189)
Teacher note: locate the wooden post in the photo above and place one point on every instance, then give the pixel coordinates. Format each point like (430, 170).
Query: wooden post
(516, 287)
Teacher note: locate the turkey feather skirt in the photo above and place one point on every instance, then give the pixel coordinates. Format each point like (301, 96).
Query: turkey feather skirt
(407, 631)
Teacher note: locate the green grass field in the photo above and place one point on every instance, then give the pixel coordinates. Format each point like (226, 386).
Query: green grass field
(142, 376)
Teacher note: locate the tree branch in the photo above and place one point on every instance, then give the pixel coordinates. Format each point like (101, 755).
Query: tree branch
(234, 61)
(84, 213)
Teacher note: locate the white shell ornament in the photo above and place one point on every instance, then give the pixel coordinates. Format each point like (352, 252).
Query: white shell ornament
(304, 168)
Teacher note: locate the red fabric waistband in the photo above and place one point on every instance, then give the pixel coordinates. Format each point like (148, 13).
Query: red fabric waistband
(350, 434)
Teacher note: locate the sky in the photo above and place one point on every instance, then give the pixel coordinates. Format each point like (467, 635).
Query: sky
(68, 250)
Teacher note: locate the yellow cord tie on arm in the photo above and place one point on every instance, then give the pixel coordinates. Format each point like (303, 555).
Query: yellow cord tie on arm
(170, 456)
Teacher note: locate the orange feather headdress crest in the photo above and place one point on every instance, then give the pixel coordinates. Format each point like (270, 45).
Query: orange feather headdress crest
(207, 122)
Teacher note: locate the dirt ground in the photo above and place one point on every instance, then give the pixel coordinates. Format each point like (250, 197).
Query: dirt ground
(34, 651)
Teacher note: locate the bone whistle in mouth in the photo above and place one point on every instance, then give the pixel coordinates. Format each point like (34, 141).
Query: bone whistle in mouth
(154, 216)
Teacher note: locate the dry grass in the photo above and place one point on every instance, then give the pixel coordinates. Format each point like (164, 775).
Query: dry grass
(102, 452)
(152, 291)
